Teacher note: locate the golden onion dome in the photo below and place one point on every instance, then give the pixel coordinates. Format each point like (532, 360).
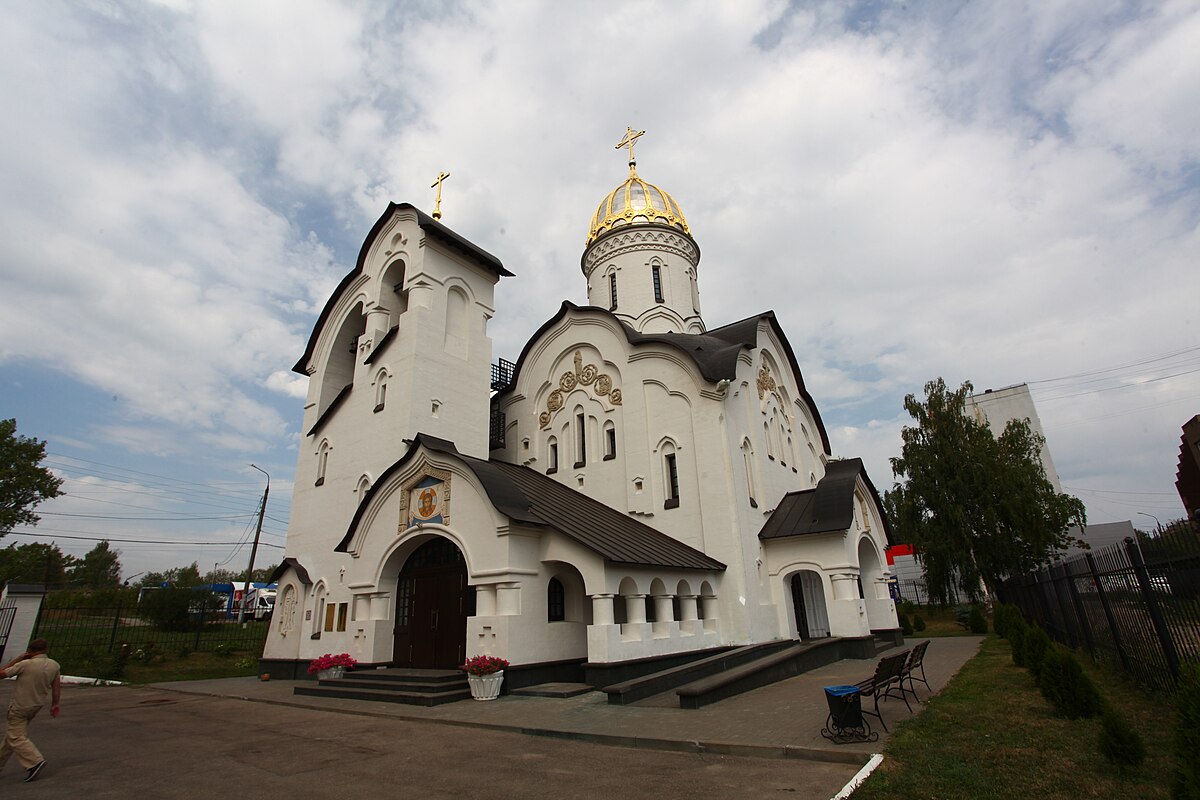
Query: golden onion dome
(636, 202)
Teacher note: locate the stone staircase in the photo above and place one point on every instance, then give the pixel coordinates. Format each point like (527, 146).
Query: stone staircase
(709, 680)
(415, 687)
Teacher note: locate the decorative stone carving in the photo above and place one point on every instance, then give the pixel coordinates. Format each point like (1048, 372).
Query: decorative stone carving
(287, 622)
(584, 375)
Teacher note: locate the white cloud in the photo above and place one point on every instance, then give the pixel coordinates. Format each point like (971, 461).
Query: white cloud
(1001, 193)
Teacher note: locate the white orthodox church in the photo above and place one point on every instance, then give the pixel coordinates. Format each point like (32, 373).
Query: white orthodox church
(637, 487)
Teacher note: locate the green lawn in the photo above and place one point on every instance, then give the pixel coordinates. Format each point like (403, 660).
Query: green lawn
(990, 734)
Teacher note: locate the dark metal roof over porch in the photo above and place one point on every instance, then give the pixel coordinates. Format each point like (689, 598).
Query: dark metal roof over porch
(530, 497)
(829, 508)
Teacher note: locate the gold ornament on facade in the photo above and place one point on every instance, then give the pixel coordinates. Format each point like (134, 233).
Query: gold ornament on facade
(584, 375)
(765, 382)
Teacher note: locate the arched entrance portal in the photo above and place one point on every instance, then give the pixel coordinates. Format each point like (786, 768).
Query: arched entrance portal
(808, 602)
(433, 602)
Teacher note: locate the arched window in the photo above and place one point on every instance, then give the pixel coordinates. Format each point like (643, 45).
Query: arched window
(748, 462)
(580, 438)
(612, 291)
(381, 379)
(322, 462)
(364, 486)
(556, 601)
(610, 441)
(457, 324)
(656, 276)
(670, 477)
(552, 456)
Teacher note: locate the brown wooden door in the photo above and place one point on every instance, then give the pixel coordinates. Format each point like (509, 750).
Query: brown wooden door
(432, 605)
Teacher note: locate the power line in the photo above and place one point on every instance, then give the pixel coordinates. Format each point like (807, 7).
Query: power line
(146, 519)
(1114, 491)
(1122, 386)
(138, 541)
(1129, 365)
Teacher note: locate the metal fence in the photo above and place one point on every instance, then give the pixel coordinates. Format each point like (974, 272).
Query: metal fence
(1135, 604)
(916, 592)
(105, 630)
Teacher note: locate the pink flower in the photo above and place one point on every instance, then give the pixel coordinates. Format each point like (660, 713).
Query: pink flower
(483, 665)
(329, 661)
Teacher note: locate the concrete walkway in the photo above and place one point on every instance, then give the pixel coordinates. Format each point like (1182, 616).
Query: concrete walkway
(783, 720)
(202, 738)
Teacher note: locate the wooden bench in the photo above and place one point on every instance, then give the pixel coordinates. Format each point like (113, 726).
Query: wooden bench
(885, 682)
(916, 660)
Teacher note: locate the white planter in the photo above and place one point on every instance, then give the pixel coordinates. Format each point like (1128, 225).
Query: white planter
(486, 687)
(331, 673)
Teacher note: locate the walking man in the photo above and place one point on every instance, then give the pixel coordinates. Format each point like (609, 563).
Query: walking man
(37, 677)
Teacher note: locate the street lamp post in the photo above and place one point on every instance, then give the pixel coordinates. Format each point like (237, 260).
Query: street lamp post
(254, 550)
(1157, 524)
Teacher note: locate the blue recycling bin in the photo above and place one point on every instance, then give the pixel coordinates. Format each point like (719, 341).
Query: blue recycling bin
(845, 706)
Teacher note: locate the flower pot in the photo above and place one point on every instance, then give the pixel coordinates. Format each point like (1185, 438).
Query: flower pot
(331, 673)
(486, 687)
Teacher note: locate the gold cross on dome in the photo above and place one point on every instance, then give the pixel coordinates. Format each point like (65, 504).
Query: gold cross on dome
(437, 206)
(630, 137)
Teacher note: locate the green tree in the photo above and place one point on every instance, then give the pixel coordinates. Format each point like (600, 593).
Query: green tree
(977, 507)
(24, 482)
(35, 562)
(100, 568)
(175, 576)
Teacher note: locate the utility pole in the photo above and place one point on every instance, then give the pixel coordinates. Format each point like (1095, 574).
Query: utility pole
(254, 550)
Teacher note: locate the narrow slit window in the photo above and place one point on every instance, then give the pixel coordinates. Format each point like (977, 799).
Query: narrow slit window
(610, 443)
(672, 482)
(580, 440)
(658, 292)
(612, 291)
(552, 458)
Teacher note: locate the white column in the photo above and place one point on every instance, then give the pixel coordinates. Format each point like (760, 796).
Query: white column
(635, 608)
(663, 608)
(602, 609)
(687, 607)
(508, 599)
(485, 600)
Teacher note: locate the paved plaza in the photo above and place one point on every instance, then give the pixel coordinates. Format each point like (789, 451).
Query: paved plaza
(246, 736)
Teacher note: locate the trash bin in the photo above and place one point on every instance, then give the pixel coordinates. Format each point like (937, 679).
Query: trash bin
(845, 706)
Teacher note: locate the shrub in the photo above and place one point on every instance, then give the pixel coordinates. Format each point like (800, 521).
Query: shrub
(1120, 743)
(174, 609)
(1035, 647)
(1003, 618)
(1186, 783)
(1016, 639)
(908, 607)
(905, 626)
(918, 623)
(962, 615)
(977, 621)
(1064, 684)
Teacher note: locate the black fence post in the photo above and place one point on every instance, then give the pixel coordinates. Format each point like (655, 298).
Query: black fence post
(199, 629)
(1156, 615)
(1085, 624)
(1064, 608)
(112, 636)
(1108, 615)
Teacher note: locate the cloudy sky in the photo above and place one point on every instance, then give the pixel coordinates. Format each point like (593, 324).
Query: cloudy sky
(993, 192)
